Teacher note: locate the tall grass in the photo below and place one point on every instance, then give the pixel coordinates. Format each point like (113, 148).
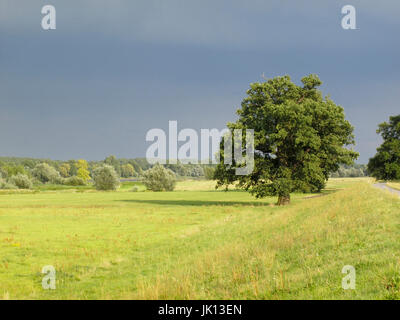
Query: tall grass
(198, 243)
(394, 185)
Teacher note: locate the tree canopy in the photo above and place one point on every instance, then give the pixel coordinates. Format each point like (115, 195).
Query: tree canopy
(83, 171)
(159, 178)
(105, 178)
(385, 165)
(300, 138)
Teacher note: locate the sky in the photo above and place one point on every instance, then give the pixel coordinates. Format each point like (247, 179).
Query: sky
(113, 70)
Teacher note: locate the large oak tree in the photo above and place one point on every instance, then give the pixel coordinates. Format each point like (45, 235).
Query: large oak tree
(300, 138)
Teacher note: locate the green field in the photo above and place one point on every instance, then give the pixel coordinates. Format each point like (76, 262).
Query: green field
(198, 243)
(394, 185)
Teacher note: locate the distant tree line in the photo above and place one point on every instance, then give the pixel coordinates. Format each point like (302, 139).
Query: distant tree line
(24, 173)
(351, 171)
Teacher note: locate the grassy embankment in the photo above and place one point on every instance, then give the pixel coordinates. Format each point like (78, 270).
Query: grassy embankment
(394, 185)
(197, 243)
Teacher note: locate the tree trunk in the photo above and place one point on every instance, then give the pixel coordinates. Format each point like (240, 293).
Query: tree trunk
(283, 200)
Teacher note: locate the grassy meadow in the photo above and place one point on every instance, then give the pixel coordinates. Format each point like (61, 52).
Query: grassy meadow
(199, 243)
(394, 185)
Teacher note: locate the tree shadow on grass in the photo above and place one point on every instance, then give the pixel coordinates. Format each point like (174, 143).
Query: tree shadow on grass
(323, 193)
(196, 203)
(200, 203)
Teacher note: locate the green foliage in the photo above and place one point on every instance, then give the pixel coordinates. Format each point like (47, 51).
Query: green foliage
(12, 170)
(73, 171)
(46, 174)
(159, 178)
(196, 171)
(105, 178)
(351, 171)
(178, 168)
(3, 174)
(300, 139)
(69, 168)
(127, 170)
(209, 173)
(83, 171)
(74, 181)
(113, 161)
(22, 181)
(7, 185)
(141, 163)
(385, 165)
(64, 170)
(186, 170)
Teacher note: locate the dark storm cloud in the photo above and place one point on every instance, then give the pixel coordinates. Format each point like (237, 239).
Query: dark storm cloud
(114, 69)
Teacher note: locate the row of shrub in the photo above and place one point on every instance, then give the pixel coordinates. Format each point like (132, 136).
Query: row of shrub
(19, 181)
(125, 168)
(22, 181)
(104, 178)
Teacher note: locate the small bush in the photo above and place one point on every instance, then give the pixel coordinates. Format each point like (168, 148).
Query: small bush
(22, 181)
(6, 185)
(74, 181)
(135, 189)
(46, 174)
(159, 178)
(105, 178)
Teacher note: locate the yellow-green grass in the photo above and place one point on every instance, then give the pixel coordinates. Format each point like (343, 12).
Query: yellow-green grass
(198, 243)
(394, 185)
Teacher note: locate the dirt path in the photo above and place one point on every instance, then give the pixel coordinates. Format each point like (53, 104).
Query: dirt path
(384, 186)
